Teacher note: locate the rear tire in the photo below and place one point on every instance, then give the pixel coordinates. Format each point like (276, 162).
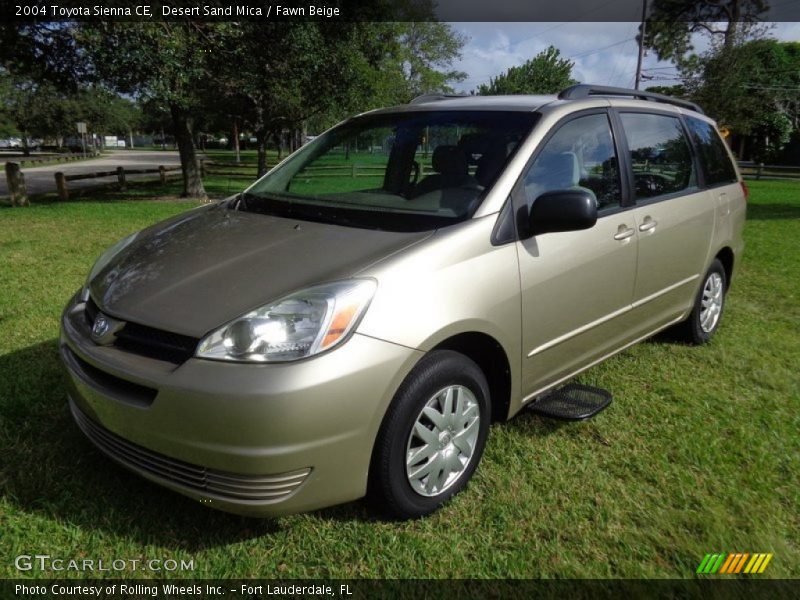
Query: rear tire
(432, 437)
(706, 315)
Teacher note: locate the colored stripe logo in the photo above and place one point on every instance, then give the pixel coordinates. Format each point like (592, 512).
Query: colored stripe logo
(738, 562)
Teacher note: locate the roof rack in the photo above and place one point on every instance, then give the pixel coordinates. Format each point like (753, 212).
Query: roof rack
(584, 90)
(436, 96)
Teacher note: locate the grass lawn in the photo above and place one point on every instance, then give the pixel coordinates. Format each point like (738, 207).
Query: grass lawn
(700, 451)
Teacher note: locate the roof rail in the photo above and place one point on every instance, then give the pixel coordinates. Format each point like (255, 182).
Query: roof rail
(433, 97)
(584, 90)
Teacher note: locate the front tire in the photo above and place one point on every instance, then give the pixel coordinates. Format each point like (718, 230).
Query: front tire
(704, 320)
(432, 437)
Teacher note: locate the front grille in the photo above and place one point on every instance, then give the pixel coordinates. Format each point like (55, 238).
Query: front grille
(148, 341)
(219, 484)
(156, 343)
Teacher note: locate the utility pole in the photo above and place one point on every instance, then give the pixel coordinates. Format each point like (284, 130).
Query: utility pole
(641, 46)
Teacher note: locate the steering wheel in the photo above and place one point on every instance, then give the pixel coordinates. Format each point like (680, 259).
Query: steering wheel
(651, 184)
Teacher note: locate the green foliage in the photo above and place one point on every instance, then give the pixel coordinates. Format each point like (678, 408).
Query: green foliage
(677, 91)
(291, 75)
(545, 73)
(771, 132)
(417, 60)
(43, 51)
(7, 125)
(40, 109)
(166, 62)
(742, 85)
(745, 81)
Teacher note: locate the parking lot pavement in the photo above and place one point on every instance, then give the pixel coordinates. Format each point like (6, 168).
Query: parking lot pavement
(40, 180)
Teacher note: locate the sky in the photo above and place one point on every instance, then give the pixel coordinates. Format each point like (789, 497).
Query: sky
(604, 53)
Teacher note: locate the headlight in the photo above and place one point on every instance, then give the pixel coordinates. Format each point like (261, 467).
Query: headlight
(297, 326)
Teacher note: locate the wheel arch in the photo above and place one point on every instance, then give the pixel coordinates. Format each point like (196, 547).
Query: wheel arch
(490, 356)
(726, 257)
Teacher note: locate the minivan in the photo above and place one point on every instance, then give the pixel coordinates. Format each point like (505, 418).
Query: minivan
(353, 322)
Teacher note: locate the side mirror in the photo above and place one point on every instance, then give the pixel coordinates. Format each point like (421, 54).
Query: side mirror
(562, 210)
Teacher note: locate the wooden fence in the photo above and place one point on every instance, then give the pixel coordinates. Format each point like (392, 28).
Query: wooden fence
(120, 172)
(751, 170)
(16, 185)
(19, 197)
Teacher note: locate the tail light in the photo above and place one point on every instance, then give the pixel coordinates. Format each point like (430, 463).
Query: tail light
(745, 191)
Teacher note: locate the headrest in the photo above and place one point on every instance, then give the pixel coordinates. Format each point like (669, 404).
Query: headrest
(450, 161)
(560, 170)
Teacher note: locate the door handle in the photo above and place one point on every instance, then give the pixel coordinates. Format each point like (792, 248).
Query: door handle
(624, 232)
(648, 224)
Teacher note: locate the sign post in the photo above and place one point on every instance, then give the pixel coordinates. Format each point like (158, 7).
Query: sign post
(82, 130)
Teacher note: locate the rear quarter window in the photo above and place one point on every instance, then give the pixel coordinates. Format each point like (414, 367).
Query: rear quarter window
(713, 154)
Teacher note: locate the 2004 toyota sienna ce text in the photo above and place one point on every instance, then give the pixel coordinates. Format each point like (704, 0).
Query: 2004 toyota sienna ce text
(356, 318)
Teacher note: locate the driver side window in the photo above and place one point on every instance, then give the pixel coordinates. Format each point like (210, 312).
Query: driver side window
(580, 155)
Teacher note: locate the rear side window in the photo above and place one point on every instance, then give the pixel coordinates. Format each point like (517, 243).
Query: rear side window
(660, 154)
(714, 157)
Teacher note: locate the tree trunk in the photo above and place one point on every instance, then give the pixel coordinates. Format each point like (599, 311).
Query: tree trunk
(261, 140)
(236, 141)
(192, 181)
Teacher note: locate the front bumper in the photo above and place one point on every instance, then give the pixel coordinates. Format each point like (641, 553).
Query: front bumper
(254, 439)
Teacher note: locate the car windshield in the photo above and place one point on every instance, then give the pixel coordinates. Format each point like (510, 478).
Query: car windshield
(405, 171)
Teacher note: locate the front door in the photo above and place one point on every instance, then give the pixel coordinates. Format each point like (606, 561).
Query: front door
(576, 287)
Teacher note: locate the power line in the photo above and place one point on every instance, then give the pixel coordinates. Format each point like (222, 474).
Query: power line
(584, 54)
(561, 24)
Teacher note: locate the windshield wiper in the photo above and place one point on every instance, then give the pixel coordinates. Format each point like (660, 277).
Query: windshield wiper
(283, 206)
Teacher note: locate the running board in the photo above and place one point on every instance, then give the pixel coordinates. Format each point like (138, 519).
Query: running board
(572, 402)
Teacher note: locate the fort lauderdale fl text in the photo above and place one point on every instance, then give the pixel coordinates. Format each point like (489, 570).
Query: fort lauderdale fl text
(145, 10)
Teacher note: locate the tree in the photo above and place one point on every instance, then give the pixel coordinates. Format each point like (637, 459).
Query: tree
(742, 84)
(771, 132)
(545, 73)
(286, 73)
(322, 72)
(43, 51)
(417, 59)
(42, 110)
(671, 24)
(168, 63)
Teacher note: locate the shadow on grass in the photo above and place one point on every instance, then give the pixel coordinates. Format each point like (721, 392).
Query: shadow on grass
(50, 469)
(772, 212)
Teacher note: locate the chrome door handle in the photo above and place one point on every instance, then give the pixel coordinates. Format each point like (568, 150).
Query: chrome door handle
(648, 225)
(624, 234)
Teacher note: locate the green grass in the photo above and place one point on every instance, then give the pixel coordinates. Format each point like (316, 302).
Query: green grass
(699, 452)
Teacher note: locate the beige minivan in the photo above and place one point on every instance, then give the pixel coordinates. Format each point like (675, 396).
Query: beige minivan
(354, 321)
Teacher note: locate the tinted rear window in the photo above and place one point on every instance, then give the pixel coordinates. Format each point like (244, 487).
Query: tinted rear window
(714, 157)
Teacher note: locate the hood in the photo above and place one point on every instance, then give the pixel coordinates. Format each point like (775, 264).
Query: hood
(194, 273)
